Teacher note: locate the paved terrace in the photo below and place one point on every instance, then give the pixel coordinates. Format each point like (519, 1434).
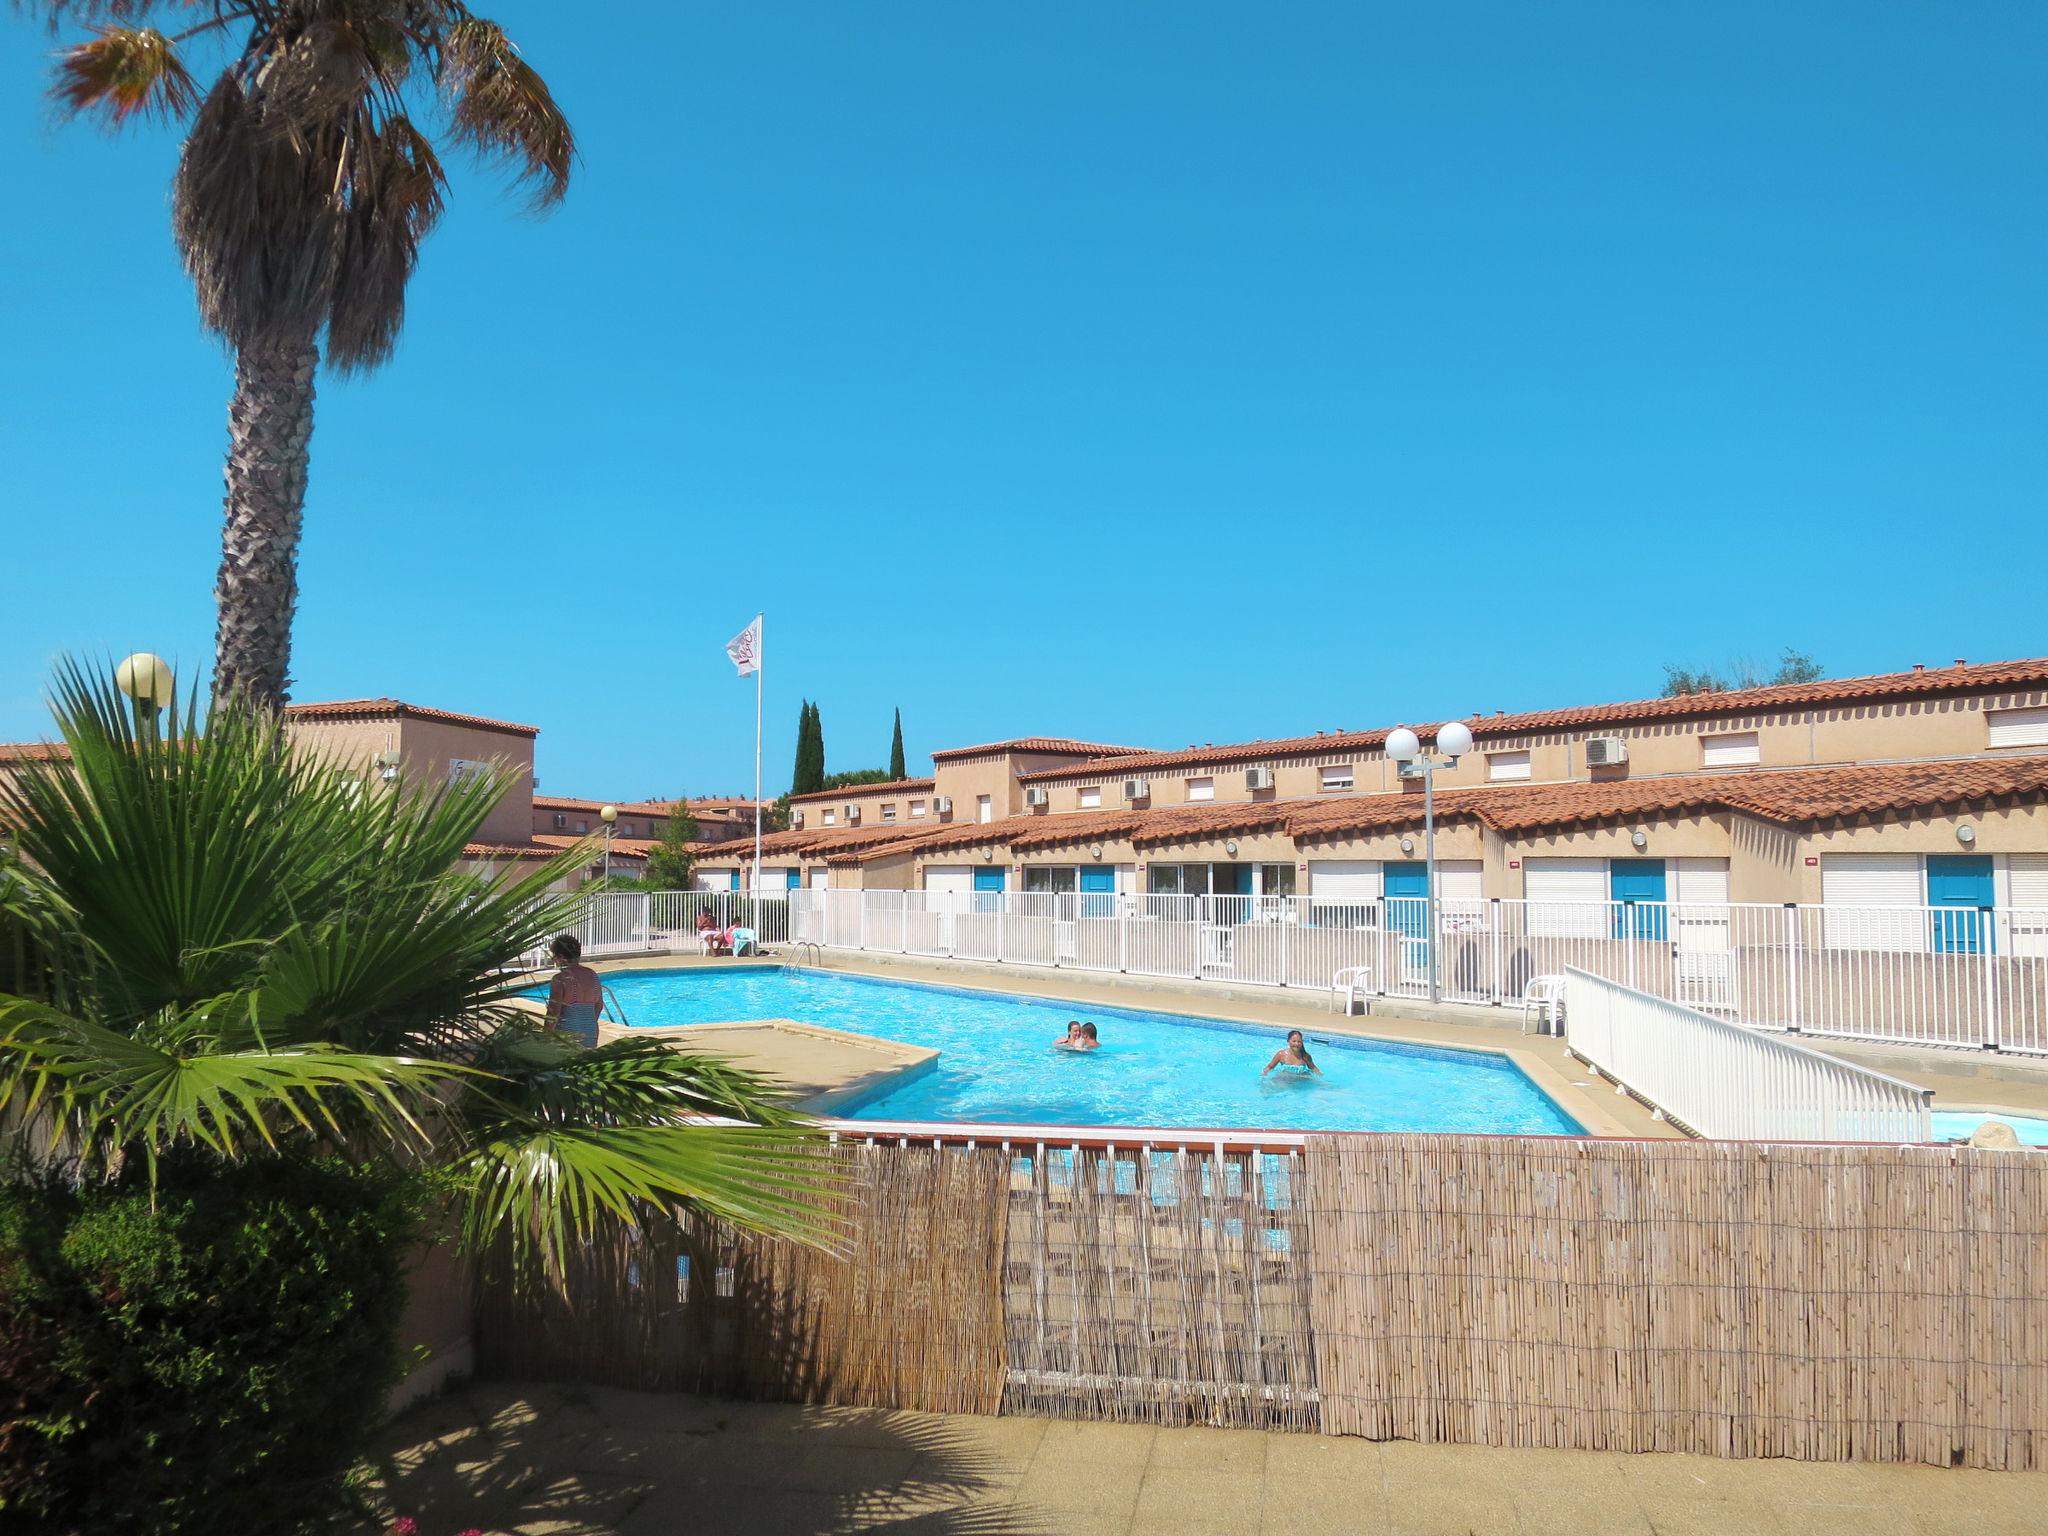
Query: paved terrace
(570, 1461)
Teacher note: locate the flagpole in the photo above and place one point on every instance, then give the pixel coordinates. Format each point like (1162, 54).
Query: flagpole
(760, 663)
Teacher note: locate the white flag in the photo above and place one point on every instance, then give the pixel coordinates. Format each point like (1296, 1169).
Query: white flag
(745, 648)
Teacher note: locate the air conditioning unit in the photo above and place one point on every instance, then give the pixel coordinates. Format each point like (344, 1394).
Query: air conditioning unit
(1036, 797)
(1605, 751)
(1258, 778)
(942, 805)
(1410, 772)
(852, 814)
(796, 818)
(1137, 789)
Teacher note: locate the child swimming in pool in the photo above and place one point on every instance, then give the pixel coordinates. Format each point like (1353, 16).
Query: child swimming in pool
(1294, 1056)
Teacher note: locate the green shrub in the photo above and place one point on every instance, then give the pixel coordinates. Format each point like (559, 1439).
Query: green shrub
(211, 1359)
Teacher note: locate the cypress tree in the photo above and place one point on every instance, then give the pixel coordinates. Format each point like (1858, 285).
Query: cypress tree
(817, 763)
(803, 748)
(896, 750)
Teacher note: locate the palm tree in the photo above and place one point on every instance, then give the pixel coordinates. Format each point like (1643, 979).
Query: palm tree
(304, 190)
(217, 946)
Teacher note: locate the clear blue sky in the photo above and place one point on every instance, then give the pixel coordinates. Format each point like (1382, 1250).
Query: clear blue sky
(1151, 372)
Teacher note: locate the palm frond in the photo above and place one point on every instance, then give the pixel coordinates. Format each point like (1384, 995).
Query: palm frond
(115, 1089)
(127, 71)
(502, 108)
(546, 1185)
(627, 1082)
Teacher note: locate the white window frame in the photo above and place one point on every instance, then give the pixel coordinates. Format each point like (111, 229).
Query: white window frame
(1336, 778)
(1090, 798)
(1508, 766)
(889, 811)
(916, 809)
(1202, 788)
(984, 808)
(2024, 727)
(1731, 749)
(830, 818)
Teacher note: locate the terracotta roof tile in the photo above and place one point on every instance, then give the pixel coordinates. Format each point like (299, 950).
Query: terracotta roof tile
(1928, 683)
(1793, 796)
(1213, 756)
(34, 752)
(894, 785)
(622, 847)
(393, 709)
(1037, 744)
(1919, 683)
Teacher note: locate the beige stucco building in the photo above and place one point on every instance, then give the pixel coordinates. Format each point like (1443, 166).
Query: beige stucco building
(1924, 785)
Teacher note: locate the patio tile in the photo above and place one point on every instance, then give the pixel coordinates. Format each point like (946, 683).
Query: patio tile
(1094, 1488)
(829, 1467)
(1453, 1514)
(1182, 1497)
(1314, 1506)
(1066, 1441)
(1838, 1519)
(1323, 1456)
(1584, 1512)
(1468, 1468)
(1216, 1450)
(1672, 1514)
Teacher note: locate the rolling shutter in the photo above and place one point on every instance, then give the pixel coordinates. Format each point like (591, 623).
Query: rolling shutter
(1344, 879)
(2019, 727)
(1881, 880)
(1729, 751)
(949, 878)
(2027, 874)
(1567, 898)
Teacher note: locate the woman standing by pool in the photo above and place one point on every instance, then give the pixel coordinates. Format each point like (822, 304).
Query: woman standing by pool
(576, 994)
(1294, 1055)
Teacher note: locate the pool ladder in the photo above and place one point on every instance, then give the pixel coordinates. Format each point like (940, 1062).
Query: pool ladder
(807, 947)
(611, 1000)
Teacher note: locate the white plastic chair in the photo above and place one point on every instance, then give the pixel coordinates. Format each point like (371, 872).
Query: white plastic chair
(1544, 996)
(1349, 983)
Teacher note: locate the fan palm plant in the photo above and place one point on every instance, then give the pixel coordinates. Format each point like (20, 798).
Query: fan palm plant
(222, 946)
(306, 186)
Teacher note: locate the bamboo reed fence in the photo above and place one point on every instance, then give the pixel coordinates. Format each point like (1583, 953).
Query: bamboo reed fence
(907, 1316)
(1725, 1299)
(1168, 1286)
(1730, 1299)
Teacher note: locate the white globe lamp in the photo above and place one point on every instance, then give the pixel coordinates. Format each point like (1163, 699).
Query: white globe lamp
(146, 679)
(1454, 739)
(1403, 745)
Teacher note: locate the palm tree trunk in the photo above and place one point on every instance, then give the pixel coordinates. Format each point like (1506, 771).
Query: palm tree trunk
(270, 428)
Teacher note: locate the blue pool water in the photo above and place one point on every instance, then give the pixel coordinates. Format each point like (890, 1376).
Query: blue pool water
(998, 1064)
(1951, 1124)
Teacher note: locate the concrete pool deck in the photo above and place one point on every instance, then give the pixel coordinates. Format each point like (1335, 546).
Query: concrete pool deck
(546, 1460)
(825, 1070)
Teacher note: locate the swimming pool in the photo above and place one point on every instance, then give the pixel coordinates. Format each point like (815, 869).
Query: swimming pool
(1959, 1124)
(997, 1062)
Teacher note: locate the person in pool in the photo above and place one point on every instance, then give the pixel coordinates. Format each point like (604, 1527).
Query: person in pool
(1294, 1055)
(1087, 1040)
(1066, 1041)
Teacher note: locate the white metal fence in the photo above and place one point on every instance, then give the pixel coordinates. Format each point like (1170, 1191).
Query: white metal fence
(1951, 976)
(1723, 1080)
